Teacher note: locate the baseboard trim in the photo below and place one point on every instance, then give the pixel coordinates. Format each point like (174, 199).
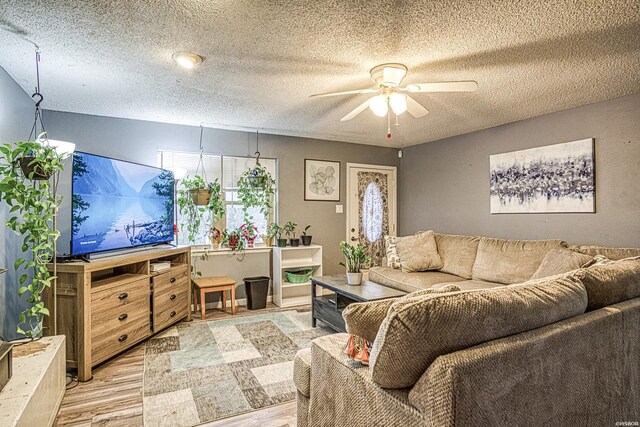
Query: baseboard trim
(241, 301)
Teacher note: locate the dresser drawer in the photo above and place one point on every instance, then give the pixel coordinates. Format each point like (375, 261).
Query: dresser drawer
(177, 278)
(115, 300)
(118, 335)
(169, 307)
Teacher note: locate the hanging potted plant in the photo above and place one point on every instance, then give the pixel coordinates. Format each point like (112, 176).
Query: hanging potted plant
(193, 214)
(306, 239)
(34, 203)
(355, 257)
(290, 231)
(249, 232)
(256, 188)
(272, 232)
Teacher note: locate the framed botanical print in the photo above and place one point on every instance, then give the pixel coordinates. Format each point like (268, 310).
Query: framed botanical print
(321, 180)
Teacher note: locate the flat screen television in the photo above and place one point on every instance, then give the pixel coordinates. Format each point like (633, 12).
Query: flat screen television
(117, 204)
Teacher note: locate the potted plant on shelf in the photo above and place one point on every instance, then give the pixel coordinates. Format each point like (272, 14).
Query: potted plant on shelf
(306, 239)
(355, 257)
(272, 232)
(34, 206)
(290, 230)
(249, 232)
(282, 241)
(192, 213)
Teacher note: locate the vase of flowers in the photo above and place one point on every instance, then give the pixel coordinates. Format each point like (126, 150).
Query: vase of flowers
(216, 237)
(233, 239)
(250, 233)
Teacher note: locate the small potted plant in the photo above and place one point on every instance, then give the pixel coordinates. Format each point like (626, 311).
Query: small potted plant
(282, 241)
(216, 236)
(306, 238)
(290, 230)
(234, 240)
(355, 257)
(249, 232)
(272, 232)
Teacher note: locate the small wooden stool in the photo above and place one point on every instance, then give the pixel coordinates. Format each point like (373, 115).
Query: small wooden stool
(214, 284)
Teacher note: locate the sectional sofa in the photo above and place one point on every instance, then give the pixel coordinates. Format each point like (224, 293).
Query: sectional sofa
(503, 332)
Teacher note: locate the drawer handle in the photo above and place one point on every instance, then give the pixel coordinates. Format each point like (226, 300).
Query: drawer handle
(123, 316)
(123, 295)
(172, 297)
(123, 338)
(173, 313)
(172, 280)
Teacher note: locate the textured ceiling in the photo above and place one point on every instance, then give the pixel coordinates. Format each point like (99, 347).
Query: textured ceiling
(264, 58)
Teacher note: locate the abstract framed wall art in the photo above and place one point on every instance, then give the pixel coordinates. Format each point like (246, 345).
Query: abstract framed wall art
(321, 180)
(556, 178)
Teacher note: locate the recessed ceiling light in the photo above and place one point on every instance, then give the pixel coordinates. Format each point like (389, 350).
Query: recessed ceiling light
(187, 59)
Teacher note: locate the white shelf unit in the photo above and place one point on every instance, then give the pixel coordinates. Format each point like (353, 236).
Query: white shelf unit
(294, 258)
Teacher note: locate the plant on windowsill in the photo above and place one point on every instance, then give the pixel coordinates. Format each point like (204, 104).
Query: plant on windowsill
(273, 231)
(34, 203)
(356, 257)
(192, 213)
(290, 231)
(216, 237)
(306, 239)
(249, 232)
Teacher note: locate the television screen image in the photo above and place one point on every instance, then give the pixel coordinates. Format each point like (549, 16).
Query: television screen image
(117, 204)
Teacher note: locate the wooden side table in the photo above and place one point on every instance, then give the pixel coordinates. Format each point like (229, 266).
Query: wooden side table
(214, 284)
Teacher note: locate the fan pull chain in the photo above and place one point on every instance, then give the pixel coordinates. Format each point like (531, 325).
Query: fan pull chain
(388, 124)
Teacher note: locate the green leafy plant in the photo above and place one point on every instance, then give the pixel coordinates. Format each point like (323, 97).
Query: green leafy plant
(235, 240)
(355, 256)
(304, 232)
(34, 204)
(191, 214)
(256, 188)
(290, 229)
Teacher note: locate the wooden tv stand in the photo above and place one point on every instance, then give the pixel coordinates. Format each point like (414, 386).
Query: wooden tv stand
(108, 305)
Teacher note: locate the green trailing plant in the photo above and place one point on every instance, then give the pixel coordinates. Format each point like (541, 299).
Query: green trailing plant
(192, 215)
(355, 256)
(34, 204)
(256, 188)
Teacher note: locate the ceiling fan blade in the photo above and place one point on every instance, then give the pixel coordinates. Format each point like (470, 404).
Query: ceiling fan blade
(348, 92)
(359, 109)
(415, 109)
(467, 86)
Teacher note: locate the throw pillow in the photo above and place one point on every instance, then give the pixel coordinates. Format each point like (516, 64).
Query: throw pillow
(418, 330)
(364, 318)
(561, 260)
(419, 253)
(393, 260)
(611, 283)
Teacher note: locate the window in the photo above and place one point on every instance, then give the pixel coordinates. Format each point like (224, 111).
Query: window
(228, 170)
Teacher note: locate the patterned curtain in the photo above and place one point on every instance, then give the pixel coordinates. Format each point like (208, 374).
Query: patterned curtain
(373, 213)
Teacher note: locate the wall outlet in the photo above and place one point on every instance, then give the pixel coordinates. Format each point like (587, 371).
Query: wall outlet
(399, 154)
(339, 209)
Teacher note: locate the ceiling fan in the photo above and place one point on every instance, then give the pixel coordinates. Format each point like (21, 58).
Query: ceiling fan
(390, 97)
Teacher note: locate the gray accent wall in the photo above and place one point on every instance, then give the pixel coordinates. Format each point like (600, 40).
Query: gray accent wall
(139, 141)
(16, 119)
(445, 184)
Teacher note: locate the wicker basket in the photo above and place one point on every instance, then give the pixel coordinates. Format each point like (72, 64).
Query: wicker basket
(300, 276)
(200, 197)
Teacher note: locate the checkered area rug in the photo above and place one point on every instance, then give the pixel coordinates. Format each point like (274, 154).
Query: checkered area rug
(200, 372)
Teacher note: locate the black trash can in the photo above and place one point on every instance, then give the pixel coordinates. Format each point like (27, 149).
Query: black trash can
(256, 289)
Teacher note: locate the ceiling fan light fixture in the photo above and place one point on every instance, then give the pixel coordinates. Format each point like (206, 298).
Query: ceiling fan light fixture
(187, 59)
(378, 104)
(398, 103)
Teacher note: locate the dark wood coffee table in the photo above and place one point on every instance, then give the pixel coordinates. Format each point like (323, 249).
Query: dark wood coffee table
(328, 308)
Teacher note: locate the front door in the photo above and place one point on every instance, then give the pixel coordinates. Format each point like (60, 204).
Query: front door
(371, 206)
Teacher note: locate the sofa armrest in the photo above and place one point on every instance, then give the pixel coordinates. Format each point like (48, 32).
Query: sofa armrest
(342, 391)
(581, 371)
(302, 371)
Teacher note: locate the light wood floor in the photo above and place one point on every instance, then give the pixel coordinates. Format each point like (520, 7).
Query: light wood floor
(114, 396)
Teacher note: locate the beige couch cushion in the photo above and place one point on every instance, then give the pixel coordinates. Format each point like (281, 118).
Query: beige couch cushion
(410, 282)
(561, 260)
(510, 261)
(418, 330)
(458, 253)
(611, 283)
(611, 253)
(418, 253)
(364, 318)
(472, 285)
(302, 371)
